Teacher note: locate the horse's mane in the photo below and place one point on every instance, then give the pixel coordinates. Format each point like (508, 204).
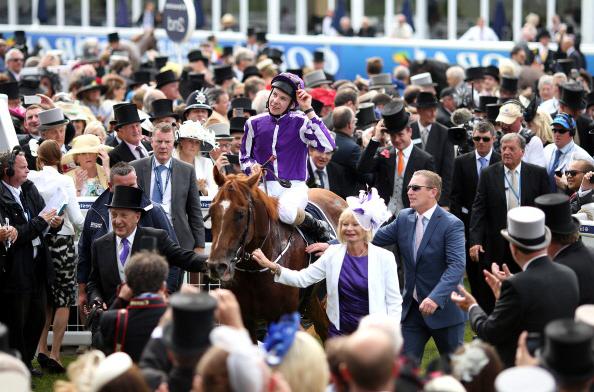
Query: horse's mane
(236, 187)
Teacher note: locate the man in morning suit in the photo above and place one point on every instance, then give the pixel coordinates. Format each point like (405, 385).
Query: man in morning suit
(128, 128)
(347, 151)
(393, 167)
(467, 171)
(566, 245)
(323, 173)
(433, 138)
(111, 252)
(430, 241)
(526, 301)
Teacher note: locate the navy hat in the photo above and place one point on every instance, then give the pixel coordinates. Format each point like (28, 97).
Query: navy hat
(162, 108)
(166, 77)
(318, 56)
(236, 124)
(395, 116)
(197, 100)
(113, 37)
(128, 197)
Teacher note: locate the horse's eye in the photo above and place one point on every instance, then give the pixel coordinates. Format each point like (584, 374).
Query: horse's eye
(239, 215)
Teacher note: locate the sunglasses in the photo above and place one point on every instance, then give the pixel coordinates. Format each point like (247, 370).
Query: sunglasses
(572, 173)
(484, 139)
(560, 130)
(416, 188)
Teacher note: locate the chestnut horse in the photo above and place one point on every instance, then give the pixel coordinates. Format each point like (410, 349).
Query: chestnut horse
(245, 218)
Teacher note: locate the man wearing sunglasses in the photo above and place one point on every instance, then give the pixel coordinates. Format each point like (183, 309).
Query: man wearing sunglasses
(579, 188)
(15, 60)
(563, 150)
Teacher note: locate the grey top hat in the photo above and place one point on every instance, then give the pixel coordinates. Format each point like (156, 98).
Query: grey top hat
(222, 131)
(422, 79)
(382, 80)
(315, 79)
(51, 118)
(526, 228)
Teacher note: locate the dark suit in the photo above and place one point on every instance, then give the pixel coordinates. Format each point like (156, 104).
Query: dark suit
(442, 151)
(105, 279)
(580, 259)
(373, 162)
(528, 301)
(577, 201)
(122, 153)
(112, 140)
(347, 154)
(338, 181)
(464, 184)
(584, 125)
(185, 214)
(444, 117)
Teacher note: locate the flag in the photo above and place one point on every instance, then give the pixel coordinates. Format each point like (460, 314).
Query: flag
(42, 11)
(499, 21)
(199, 14)
(339, 12)
(406, 11)
(122, 15)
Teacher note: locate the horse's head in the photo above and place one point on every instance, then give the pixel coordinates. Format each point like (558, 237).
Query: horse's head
(234, 215)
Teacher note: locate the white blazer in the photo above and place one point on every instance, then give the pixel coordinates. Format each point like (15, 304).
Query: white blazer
(383, 288)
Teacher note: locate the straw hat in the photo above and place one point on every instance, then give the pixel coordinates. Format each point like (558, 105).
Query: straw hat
(84, 144)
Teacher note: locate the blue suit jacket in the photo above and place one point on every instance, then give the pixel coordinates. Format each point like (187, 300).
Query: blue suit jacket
(439, 266)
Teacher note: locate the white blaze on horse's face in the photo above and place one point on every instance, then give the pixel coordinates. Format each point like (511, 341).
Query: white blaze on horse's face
(225, 204)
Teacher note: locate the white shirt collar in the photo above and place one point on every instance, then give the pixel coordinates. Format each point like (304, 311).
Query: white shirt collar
(487, 157)
(314, 167)
(13, 190)
(428, 127)
(407, 151)
(429, 213)
(130, 239)
(518, 169)
(167, 164)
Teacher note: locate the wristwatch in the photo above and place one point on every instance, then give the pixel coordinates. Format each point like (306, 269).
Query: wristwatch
(309, 110)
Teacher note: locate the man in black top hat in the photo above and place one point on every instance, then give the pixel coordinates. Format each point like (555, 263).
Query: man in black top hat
(236, 128)
(573, 102)
(319, 63)
(566, 245)
(163, 112)
(490, 80)
(168, 83)
(198, 62)
(433, 138)
(111, 252)
(447, 105)
(127, 124)
(394, 166)
(481, 110)
(508, 89)
(223, 76)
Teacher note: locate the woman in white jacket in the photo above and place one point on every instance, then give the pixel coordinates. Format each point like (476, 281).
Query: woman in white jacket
(55, 186)
(361, 278)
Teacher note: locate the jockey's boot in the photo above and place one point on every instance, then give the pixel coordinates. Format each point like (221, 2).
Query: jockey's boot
(319, 229)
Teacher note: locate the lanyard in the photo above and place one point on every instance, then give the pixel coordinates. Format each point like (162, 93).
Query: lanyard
(516, 195)
(158, 178)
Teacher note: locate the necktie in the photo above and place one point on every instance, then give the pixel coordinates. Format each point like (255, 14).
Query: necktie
(125, 250)
(483, 163)
(552, 182)
(157, 196)
(140, 152)
(419, 231)
(512, 200)
(400, 166)
(424, 134)
(320, 174)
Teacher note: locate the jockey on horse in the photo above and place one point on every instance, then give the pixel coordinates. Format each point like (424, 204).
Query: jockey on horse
(279, 140)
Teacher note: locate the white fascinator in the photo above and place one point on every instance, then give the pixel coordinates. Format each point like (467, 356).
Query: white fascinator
(369, 209)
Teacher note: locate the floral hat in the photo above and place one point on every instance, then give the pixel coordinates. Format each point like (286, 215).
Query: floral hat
(369, 209)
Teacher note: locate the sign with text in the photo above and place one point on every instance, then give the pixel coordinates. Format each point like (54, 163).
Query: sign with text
(179, 19)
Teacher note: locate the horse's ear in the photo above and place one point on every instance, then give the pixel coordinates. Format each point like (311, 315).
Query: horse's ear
(253, 179)
(218, 176)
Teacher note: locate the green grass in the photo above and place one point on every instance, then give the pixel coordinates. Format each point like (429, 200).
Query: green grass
(46, 383)
(431, 352)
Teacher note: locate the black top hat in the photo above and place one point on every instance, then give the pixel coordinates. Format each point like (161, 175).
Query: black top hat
(542, 34)
(274, 54)
(572, 96)
(261, 36)
(491, 70)
(492, 112)
(192, 82)
(196, 55)
(509, 84)
(227, 51)
(236, 124)
(251, 31)
(140, 77)
(127, 197)
(249, 71)
(29, 86)
(166, 77)
(161, 61)
(162, 108)
(485, 100)
(426, 99)
(193, 319)
(222, 73)
(564, 65)
(568, 351)
(318, 56)
(296, 71)
(113, 37)
(11, 89)
(474, 73)
(396, 118)
(590, 99)
(125, 114)
(90, 84)
(557, 213)
(241, 103)
(366, 115)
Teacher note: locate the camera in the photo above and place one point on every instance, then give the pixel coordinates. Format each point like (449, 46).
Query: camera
(461, 136)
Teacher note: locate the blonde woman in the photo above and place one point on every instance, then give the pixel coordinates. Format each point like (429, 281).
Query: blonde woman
(541, 126)
(89, 177)
(96, 128)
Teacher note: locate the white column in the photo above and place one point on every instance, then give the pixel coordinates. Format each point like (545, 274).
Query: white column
(587, 28)
(85, 15)
(389, 18)
(421, 19)
(485, 11)
(357, 12)
(452, 19)
(59, 12)
(136, 10)
(301, 17)
(331, 4)
(161, 5)
(216, 15)
(110, 11)
(244, 10)
(517, 19)
(273, 16)
(34, 6)
(551, 10)
(13, 17)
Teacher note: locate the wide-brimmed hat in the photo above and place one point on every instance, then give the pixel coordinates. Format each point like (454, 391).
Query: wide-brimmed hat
(315, 78)
(557, 210)
(124, 114)
(162, 108)
(572, 96)
(222, 73)
(242, 103)
(383, 80)
(509, 84)
(166, 77)
(426, 99)
(568, 351)
(422, 79)
(395, 116)
(236, 124)
(222, 131)
(526, 228)
(492, 71)
(366, 115)
(509, 112)
(474, 73)
(51, 118)
(127, 197)
(11, 89)
(197, 100)
(485, 100)
(90, 84)
(196, 131)
(84, 144)
(193, 319)
(249, 71)
(109, 369)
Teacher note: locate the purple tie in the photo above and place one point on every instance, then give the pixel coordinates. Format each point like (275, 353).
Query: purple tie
(125, 250)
